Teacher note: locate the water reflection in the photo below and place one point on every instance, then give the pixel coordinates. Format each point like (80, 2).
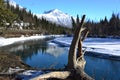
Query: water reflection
(38, 53)
(28, 49)
(55, 51)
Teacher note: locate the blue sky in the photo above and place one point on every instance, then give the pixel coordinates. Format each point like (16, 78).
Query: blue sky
(94, 9)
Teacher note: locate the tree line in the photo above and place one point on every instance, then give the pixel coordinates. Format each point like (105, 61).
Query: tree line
(26, 19)
(103, 28)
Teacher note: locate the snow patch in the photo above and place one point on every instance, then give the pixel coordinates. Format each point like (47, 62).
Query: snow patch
(8, 41)
(13, 3)
(29, 74)
(13, 70)
(102, 46)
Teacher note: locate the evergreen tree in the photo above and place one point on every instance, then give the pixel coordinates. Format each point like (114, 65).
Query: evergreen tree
(113, 24)
(6, 16)
(105, 27)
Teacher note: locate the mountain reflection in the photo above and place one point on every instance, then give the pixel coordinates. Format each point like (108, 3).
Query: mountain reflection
(55, 51)
(34, 47)
(29, 48)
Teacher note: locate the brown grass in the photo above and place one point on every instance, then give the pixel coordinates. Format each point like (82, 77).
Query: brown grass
(8, 60)
(18, 33)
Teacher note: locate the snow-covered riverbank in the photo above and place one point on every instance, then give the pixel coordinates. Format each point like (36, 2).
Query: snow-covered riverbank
(99, 46)
(8, 41)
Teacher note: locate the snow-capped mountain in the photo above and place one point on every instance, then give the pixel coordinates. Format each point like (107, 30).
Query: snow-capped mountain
(13, 3)
(58, 17)
(55, 16)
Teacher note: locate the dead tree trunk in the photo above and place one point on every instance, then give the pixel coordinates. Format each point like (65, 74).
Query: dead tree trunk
(77, 63)
(74, 45)
(75, 66)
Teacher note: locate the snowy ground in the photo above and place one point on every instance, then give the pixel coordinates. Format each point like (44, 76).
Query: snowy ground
(8, 41)
(99, 46)
(29, 74)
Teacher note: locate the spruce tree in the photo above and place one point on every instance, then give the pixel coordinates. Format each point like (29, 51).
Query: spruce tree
(6, 16)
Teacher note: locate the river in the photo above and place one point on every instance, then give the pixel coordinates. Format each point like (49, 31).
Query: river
(44, 54)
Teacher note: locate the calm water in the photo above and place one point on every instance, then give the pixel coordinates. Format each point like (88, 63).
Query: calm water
(40, 54)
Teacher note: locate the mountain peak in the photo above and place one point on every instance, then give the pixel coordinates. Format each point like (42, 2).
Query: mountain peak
(53, 11)
(57, 16)
(13, 3)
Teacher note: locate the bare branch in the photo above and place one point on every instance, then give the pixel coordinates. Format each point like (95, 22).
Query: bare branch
(84, 50)
(84, 35)
(82, 29)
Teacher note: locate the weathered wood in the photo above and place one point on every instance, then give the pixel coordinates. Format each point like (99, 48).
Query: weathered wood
(55, 74)
(80, 53)
(81, 75)
(74, 46)
(84, 34)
